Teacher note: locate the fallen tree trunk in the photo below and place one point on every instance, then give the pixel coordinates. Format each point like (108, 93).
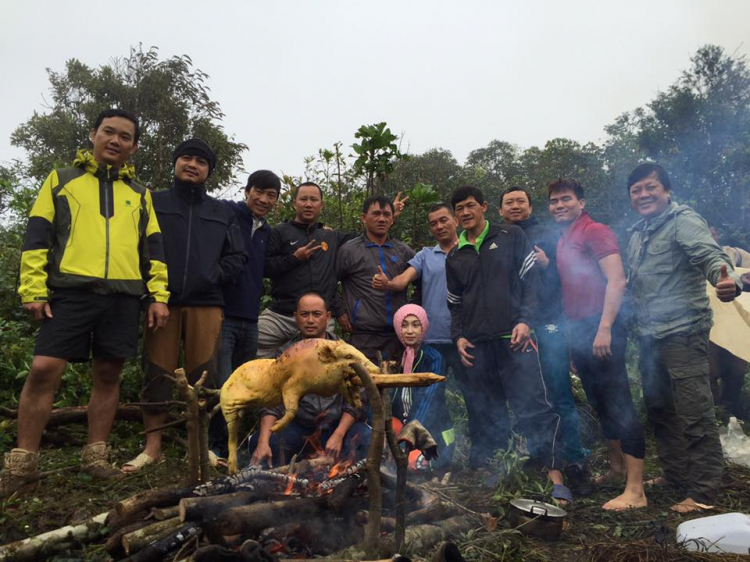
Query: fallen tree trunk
(46, 544)
(209, 508)
(140, 538)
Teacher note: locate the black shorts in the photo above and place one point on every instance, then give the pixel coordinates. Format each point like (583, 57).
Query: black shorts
(86, 324)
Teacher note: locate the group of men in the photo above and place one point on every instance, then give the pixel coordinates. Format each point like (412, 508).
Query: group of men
(501, 299)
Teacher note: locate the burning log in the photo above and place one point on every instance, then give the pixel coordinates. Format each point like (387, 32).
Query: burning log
(161, 548)
(343, 491)
(208, 508)
(249, 520)
(46, 544)
(137, 540)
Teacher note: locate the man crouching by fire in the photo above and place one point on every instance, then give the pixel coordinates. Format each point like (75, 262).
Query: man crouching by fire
(327, 422)
(670, 255)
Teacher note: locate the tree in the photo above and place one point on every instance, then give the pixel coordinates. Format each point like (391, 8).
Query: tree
(699, 130)
(169, 97)
(377, 155)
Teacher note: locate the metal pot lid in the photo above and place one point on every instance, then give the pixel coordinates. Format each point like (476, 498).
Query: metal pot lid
(536, 508)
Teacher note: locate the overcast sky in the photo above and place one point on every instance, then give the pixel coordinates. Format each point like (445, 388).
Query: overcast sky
(295, 76)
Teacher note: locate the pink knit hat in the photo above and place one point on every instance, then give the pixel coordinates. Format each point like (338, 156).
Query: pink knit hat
(410, 310)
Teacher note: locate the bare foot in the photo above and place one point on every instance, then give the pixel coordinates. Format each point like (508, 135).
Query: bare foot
(610, 477)
(658, 481)
(689, 505)
(626, 500)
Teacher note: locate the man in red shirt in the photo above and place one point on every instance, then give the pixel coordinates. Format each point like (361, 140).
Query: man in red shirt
(593, 282)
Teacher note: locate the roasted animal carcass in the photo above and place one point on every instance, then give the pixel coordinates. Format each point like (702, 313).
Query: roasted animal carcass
(313, 366)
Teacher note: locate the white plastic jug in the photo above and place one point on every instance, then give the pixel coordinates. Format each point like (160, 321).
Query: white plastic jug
(728, 532)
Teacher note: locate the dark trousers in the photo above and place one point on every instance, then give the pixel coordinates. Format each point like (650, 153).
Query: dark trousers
(606, 384)
(555, 360)
(731, 370)
(297, 439)
(239, 344)
(677, 393)
(501, 374)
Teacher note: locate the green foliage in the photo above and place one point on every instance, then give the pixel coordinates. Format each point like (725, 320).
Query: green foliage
(699, 130)
(169, 97)
(377, 154)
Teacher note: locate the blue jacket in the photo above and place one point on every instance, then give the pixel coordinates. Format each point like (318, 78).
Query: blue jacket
(242, 297)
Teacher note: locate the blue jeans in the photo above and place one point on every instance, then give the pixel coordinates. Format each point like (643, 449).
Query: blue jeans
(294, 440)
(239, 344)
(555, 360)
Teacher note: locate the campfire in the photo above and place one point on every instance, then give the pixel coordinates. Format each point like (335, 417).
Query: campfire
(308, 508)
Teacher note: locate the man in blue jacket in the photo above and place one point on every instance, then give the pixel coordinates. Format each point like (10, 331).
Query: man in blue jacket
(239, 333)
(203, 248)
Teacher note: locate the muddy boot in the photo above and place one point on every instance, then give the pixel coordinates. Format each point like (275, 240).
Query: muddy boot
(95, 461)
(20, 469)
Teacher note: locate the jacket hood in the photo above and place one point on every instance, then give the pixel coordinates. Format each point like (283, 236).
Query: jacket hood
(85, 159)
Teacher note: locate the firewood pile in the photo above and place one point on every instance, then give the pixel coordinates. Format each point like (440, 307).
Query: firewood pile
(310, 509)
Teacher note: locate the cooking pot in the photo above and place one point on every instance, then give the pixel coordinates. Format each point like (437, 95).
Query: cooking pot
(537, 519)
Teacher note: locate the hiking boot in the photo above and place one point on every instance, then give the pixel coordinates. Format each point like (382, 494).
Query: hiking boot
(578, 478)
(95, 461)
(19, 469)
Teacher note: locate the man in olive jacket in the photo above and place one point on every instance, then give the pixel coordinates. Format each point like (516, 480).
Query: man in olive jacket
(670, 255)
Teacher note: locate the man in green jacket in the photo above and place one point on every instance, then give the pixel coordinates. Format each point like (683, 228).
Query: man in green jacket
(670, 255)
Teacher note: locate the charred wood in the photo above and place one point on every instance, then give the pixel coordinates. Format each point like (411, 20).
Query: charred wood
(160, 549)
(140, 538)
(248, 521)
(208, 508)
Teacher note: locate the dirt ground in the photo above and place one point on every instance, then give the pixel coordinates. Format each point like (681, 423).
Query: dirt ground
(593, 535)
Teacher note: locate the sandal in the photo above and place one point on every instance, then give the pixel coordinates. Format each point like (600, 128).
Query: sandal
(561, 492)
(140, 461)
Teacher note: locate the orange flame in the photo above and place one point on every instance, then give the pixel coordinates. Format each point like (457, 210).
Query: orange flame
(290, 485)
(339, 468)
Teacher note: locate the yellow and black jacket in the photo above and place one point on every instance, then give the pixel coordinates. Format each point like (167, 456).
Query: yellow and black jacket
(92, 227)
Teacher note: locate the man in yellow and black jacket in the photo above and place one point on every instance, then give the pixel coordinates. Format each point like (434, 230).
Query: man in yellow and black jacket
(92, 251)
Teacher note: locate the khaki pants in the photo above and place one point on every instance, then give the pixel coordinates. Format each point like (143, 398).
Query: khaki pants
(199, 327)
(677, 393)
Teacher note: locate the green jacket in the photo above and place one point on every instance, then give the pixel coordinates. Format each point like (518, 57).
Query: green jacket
(669, 259)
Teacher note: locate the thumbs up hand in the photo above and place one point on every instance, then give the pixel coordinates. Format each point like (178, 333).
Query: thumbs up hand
(380, 280)
(726, 288)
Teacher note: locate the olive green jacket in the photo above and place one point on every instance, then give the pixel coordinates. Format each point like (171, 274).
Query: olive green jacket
(669, 259)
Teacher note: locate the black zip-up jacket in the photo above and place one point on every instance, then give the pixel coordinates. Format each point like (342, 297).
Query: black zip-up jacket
(550, 293)
(202, 243)
(291, 277)
(492, 290)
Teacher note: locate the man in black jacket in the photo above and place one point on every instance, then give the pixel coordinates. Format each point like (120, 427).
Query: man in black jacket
(301, 257)
(516, 208)
(492, 295)
(204, 248)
